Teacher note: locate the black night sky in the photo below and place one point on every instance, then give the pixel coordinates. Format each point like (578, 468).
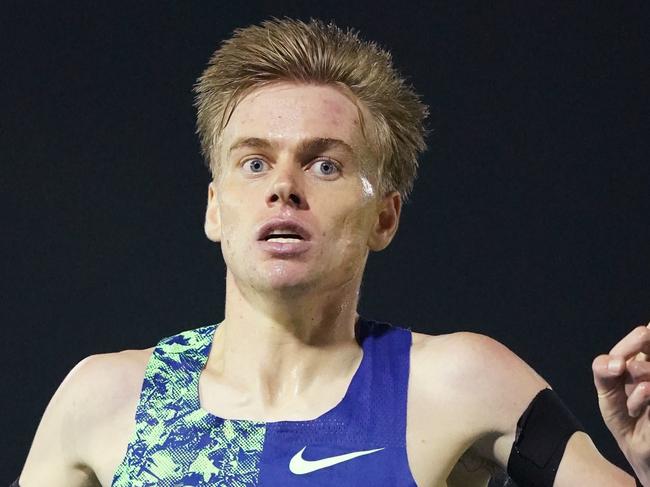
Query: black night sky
(529, 221)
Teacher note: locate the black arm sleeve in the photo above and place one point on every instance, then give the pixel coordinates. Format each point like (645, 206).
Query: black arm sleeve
(15, 483)
(542, 434)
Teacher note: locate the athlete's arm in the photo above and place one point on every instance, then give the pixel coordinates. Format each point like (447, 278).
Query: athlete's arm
(56, 457)
(504, 386)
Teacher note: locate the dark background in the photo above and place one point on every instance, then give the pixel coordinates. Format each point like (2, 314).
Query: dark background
(529, 222)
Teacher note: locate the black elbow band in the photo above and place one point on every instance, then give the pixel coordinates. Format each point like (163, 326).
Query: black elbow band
(542, 434)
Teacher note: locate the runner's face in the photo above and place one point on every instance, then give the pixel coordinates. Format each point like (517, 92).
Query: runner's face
(293, 151)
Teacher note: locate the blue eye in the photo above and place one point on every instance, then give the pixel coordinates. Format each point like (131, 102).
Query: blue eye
(327, 167)
(255, 165)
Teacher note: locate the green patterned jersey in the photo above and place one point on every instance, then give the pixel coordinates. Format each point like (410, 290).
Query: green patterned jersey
(177, 443)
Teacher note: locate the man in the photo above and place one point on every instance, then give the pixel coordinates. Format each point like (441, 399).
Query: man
(312, 139)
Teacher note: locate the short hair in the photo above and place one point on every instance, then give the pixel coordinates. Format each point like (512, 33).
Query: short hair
(315, 52)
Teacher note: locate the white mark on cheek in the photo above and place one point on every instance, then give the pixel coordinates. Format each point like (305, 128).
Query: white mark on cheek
(368, 190)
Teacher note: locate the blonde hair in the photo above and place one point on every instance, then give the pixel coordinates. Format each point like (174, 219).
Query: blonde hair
(315, 52)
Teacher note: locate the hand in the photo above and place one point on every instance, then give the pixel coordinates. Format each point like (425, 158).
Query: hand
(622, 379)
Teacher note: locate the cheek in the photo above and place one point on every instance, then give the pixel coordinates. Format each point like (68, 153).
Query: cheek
(231, 224)
(351, 232)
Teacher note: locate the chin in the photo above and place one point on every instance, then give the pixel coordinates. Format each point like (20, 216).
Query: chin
(282, 277)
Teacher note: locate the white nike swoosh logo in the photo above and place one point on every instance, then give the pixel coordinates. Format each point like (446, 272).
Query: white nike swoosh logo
(300, 466)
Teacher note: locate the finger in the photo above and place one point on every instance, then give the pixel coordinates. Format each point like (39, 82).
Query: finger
(639, 399)
(638, 340)
(608, 372)
(639, 370)
(612, 398)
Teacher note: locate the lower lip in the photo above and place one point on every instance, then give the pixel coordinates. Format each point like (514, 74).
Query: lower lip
(285, 249)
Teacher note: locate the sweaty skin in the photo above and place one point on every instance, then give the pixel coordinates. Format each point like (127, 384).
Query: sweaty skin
(286, 348)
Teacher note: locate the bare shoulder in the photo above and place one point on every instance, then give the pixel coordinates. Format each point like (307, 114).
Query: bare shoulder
(484, 384)
(469, 356)
(97, 394)
(105, 389)
(476, 369)
(103, 384)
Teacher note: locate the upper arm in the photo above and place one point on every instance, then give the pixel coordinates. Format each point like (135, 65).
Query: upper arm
(88, 411)
(504, 393)
(499, 386)
(56, 457)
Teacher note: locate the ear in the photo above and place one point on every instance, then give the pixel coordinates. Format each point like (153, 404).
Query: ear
(385, 227)
(212, 224)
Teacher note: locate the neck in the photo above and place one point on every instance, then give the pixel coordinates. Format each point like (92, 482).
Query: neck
(282, 347)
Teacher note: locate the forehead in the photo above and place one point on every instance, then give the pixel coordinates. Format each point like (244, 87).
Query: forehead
(291, 112)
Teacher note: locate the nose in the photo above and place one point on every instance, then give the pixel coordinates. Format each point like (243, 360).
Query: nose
(286, 186)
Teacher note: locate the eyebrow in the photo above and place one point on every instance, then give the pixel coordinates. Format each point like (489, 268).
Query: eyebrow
(309, 146)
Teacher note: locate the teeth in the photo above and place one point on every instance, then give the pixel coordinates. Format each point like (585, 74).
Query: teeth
(281, 231)
(285, 240)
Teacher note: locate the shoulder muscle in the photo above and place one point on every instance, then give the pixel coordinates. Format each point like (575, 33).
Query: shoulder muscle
(92, 392)
(489, 383)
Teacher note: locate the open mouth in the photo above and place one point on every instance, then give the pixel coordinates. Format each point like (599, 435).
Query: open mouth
(284, 231)
(284, 239)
